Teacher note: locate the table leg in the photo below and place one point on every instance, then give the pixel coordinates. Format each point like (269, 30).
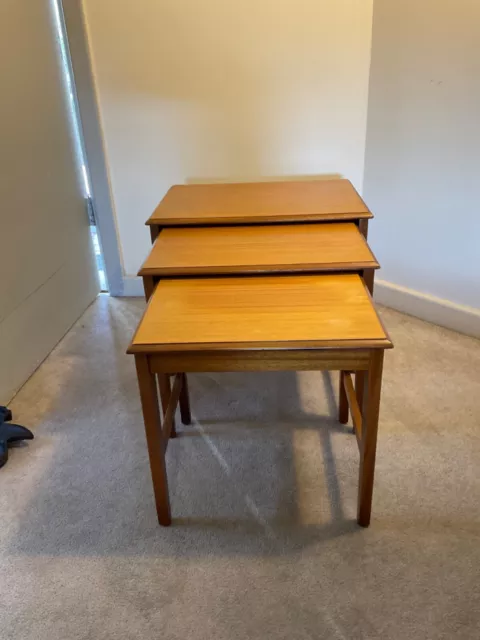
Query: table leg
(368, 278)
(165, 393)
(360, 377)
(154, 231)
(342, 401)
(185, 402)
(148, 286)
(153, 430)
(368, 447)
(363, 227)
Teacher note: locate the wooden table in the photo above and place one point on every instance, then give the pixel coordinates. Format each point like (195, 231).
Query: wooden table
(259, 323)
(258, 249)
(260, 202)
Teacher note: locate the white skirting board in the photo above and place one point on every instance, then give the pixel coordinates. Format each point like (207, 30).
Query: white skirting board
(426, 307)
(133, 287)
(414, 303)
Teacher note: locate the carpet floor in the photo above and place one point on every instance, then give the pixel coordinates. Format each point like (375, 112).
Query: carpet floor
(264, 543)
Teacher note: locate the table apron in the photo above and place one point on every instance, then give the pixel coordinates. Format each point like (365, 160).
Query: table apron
(268, 360)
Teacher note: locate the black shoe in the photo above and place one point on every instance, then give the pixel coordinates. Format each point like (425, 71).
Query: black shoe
(5, 414)
(11, 433)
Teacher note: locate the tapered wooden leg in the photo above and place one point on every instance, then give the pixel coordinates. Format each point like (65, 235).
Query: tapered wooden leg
(369, 279)
(360, 377)
(153, 429)
(148, 286)
(154, 231)
(342, 401)
(165, 393)
(363, 227)
(185, 402)
(368, 446)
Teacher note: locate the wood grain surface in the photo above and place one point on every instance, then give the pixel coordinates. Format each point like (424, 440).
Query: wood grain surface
(260, 202)
(259, 249)
(260, 312)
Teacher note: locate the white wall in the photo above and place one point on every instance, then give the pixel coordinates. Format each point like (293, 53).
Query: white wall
(422, 172)
(226, 90)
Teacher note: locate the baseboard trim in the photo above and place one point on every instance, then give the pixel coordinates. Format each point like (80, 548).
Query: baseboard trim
(414, 303)
(426, 307)
(132, 287)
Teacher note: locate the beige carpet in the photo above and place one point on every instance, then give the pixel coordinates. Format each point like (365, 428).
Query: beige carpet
(264, 543)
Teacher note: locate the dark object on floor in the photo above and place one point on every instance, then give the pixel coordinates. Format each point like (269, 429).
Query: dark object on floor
(5, 414)
(10, 433)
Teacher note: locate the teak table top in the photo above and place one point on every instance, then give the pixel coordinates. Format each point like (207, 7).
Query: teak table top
(258, 202)
(260, 312)
(259, 249)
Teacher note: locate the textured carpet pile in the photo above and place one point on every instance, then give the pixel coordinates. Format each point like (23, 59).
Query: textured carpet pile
(264, 543)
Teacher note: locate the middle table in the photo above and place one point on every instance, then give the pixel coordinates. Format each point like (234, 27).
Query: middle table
(259, 249)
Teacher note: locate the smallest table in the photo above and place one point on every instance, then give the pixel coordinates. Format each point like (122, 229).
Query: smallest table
(260, 323)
